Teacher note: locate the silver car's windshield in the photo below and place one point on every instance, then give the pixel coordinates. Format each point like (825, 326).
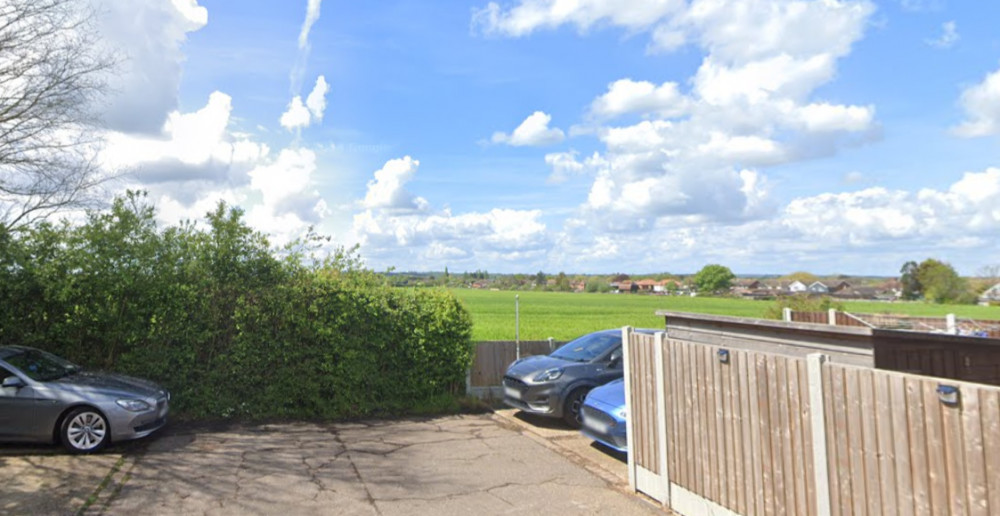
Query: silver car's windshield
(41, 366)
(587, 348)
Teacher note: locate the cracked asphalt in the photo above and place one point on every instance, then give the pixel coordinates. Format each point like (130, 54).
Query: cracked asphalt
(469, 464)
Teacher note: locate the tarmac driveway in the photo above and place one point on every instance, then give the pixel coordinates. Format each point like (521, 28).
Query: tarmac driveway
(478, 464)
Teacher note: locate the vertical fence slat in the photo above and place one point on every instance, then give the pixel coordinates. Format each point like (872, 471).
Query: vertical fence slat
(873, 487)
(778, 397)
(859, 501)
(884, 438)
(756, 439)
(746, 431)
(767, 458)
(918, 447)
(935, 450)
(973, 450)
(730, 437)
(990, 411)
(797, 446)
(954, 455)
(842, 469)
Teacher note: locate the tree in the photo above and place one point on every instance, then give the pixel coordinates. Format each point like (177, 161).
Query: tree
(806, 278)
(940, 283)
(52, 71)
(714, 278)
(908, 278)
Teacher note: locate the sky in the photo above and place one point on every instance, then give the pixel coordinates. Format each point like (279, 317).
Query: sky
(585, 136)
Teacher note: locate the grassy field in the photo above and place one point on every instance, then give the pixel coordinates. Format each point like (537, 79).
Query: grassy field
(564, 316)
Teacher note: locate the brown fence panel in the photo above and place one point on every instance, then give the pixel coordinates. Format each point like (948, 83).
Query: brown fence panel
(895, 448)
(739, 431)
(811, 317)
(493, 357)
(644, 417)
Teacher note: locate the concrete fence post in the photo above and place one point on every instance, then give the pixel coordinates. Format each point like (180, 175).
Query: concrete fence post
(629, 409)
(952, 324)
(661, 411)
(821, 476)
(786, 314)
(832, 317)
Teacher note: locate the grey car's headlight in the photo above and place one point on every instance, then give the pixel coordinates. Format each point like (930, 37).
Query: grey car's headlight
(133, 405)
(549, 374)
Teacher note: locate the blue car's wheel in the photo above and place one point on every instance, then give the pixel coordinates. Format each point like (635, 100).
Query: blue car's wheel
(572, 409)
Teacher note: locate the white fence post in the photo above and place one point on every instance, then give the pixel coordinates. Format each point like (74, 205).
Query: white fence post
(786, 314)
(832, 316)
(629, 409)
(821, 475)
(952, 324)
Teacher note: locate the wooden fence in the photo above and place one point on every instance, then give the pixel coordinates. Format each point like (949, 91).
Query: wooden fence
(948, 324)
(491, 360)
(722, 431)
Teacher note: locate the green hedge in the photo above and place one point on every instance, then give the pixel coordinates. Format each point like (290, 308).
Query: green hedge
(230, 326)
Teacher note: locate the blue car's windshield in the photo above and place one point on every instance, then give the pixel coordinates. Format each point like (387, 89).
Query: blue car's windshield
(41, 366)
(588, 347)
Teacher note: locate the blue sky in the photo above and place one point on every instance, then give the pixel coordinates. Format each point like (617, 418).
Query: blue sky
(592, 136)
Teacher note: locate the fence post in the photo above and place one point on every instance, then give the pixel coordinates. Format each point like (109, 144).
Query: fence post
(786, 314)
(952, 325)
(832, 317)
(821, 475)
(517, 326)
(661, 422)
(629, 409)
(552, 344)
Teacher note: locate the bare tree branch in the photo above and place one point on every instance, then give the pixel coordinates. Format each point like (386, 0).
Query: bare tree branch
(51, 72)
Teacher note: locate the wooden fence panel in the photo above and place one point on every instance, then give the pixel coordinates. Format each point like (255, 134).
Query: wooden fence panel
(491, 359)
(741, 429)
(645, 413)
(907, 451)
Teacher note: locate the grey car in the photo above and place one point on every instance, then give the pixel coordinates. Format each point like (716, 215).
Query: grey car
(555, 385)
(44, 398)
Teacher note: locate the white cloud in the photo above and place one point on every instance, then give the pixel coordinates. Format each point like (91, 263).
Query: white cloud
(981, 103)
(628, 96)
(296, 116)
(299, 115)
(949, 36)
(533, 131)
(316, 101)
(530, 15)
(396, 225)
(386, 190)
(312, 14)
(147, 35)
(696, 156)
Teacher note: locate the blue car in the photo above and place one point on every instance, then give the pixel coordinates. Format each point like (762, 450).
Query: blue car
(604, 415)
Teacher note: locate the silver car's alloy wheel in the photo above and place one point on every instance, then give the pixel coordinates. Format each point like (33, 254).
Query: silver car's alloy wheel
(85, 431)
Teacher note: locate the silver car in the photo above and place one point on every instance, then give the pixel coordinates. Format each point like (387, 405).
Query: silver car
(44, 398)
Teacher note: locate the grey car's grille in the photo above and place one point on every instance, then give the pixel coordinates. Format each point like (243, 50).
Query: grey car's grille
(598, 415)
(510, 381)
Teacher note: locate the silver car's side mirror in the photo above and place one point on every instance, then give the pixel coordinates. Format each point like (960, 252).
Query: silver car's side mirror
(13, 381)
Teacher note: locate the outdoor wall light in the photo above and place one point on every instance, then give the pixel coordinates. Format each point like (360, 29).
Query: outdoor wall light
(723, 356)
(948, 394)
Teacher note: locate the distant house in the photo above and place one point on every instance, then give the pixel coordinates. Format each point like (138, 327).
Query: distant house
(747, 284)
(818, 287)
(667, 285)
(990, 295)
(646, 285)
(843, 286)
(797, 286)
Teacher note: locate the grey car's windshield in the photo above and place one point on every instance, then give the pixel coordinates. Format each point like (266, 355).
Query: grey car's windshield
(41, 366)
(588, 347)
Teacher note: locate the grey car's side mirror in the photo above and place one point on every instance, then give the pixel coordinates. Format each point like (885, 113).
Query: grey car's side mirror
(13, 381)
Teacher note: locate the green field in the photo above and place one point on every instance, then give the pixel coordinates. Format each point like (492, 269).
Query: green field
(564, 316)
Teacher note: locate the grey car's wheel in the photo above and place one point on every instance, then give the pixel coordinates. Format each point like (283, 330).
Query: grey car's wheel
(572, 413)
(84, 430)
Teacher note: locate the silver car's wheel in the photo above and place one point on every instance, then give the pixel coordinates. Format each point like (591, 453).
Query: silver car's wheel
(572, 413)
(84, 430)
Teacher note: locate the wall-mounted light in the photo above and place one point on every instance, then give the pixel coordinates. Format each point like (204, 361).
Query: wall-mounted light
(723, 356)
(948, 394)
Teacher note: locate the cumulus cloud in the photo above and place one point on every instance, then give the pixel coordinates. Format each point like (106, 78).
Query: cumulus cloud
(533, 131)
(386, 190)
(981, 103)
(316, 101)
(949, 36)
(145, 83)
(299, 115)
(696, 156)
(628, 96)
(395, 223)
